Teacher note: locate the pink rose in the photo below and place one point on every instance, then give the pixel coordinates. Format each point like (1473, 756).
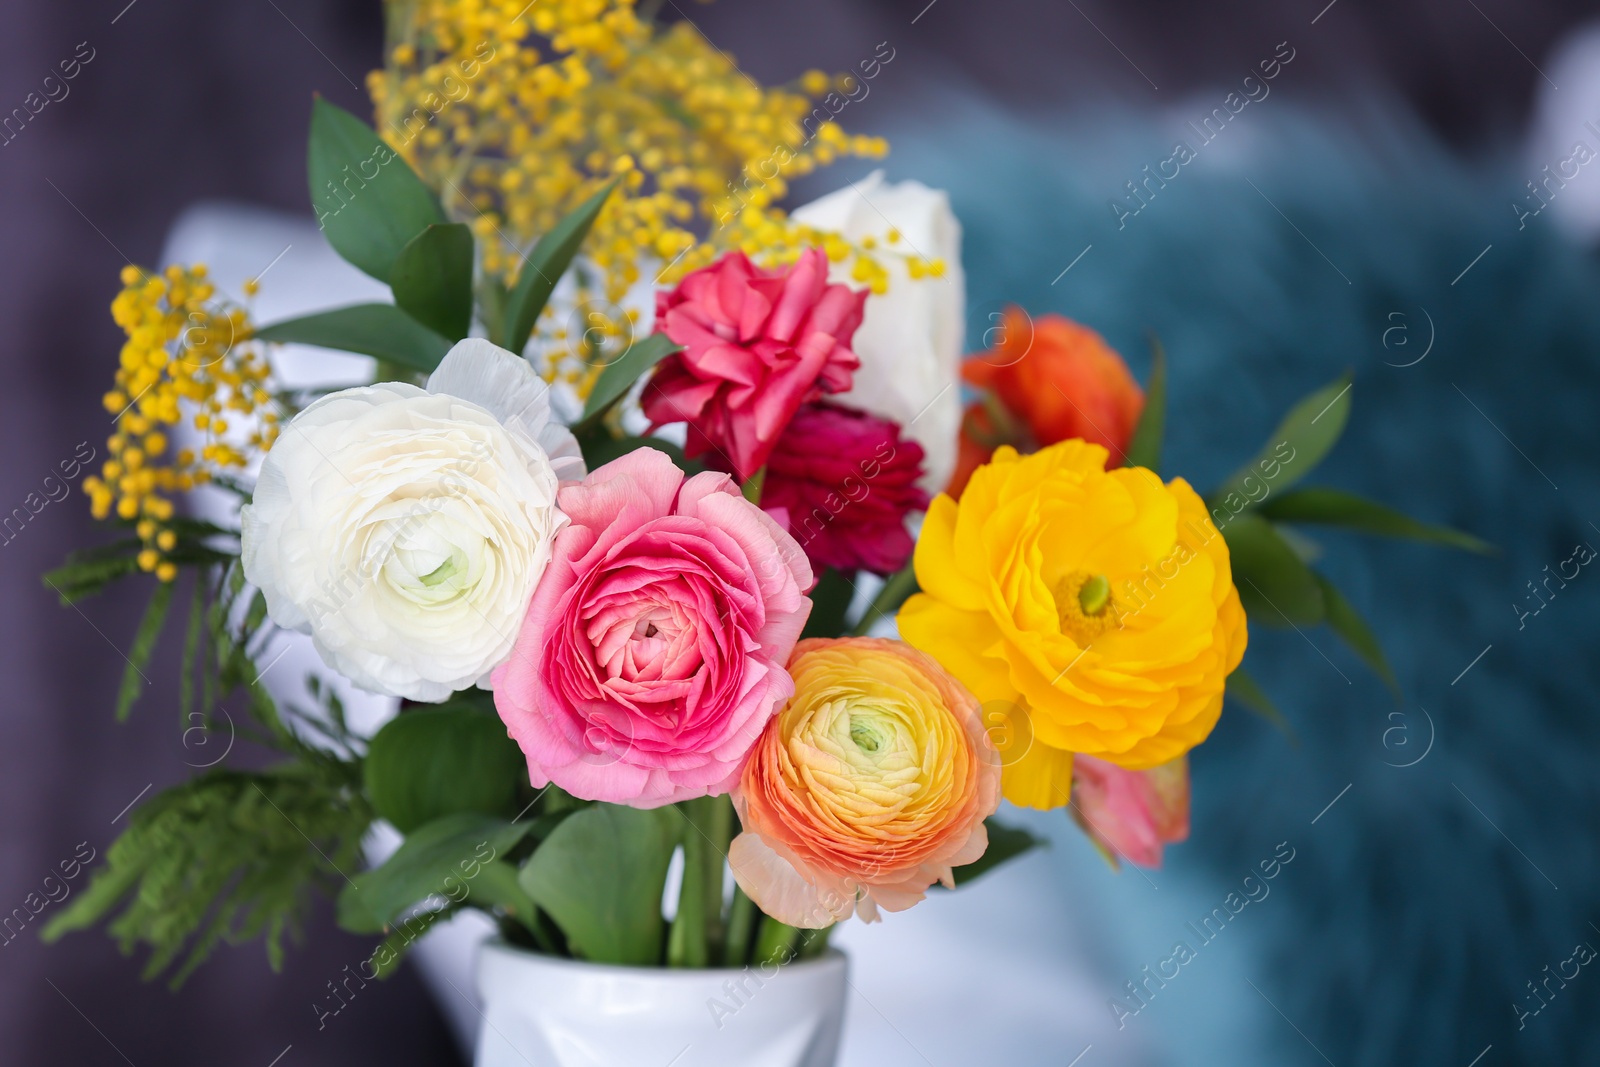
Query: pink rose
(653, 652)
(847, 480)
(1131, 814)
(756, 345)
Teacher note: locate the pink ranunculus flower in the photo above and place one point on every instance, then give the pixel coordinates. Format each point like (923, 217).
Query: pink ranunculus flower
(653, 652)
(1131, 814)
(847, 480)
(756, 345)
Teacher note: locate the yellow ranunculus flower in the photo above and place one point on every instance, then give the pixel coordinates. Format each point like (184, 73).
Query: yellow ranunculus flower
(1089, 610)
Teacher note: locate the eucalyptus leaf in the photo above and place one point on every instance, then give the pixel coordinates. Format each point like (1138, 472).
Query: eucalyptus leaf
(544, 267)
(1344, 620)
(1005, 843)
(368, 201)
(619, 375)
(1334, 507)
(436, 860)
(431, 762)
(1145, 448)
(432, 279)
(599, 876)
(381, 330)
(1274, 583)
(1302, 440)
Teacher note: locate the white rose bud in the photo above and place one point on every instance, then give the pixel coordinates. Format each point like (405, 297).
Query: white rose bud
(911, 340)
(404, 529)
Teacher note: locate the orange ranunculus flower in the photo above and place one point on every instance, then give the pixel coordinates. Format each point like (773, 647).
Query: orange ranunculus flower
(868, 787)
(1092, 611)
(1062, 380)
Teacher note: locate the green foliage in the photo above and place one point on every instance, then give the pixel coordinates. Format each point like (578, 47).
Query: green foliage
(1145, 448)
(899, 586)
(1344, 620)
(380, 330)
(1275, 585)
(545, 265)
(432, 279)
(225, 858)
(143, 648)
(1310, 430)
(599, 876)
(600, 449)
(829, 602)
(368, 200)
(1005, 843)
(1247, 691)
(1333, 507)
(430, 762)
(619, 375)
(447, 857)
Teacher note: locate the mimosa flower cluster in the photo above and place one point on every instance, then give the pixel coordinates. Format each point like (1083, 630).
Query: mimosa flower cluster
(517, 114)
(188, 358)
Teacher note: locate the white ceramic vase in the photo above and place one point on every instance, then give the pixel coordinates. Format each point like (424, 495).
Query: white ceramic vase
(539, 1011)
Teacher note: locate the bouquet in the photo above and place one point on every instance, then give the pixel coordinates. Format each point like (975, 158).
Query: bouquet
(662, 517)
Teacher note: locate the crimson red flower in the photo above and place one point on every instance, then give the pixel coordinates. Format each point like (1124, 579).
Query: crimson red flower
(847, 480)
(756, 345)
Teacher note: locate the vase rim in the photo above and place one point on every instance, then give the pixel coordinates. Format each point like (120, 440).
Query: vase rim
(829, 959)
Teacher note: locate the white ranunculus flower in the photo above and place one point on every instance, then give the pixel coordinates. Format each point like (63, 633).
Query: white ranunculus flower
(911, 339)
(404, 529)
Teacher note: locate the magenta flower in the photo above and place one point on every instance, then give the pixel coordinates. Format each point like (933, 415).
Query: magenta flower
(756, 345)
(653, 652)
(847, 480)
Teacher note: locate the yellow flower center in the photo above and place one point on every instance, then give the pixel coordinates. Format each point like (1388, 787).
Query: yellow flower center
(1085, 605)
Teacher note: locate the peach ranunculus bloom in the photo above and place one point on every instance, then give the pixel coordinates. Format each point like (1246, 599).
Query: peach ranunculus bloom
(868, 787)
(1060, 380)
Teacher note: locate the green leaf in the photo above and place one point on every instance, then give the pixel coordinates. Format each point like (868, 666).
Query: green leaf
(88, 571)
(899, 586)
(1332, 507)
(1145, 448)
(437, 859)
(386, 958)
(432, 279)
(187, 682)
(1345, 621)
(380, 330)
(1247, 691)
(1005, 843)
(829, 602)
(1275, 585)
(618, 376)
(1301, 441)
(144, 646)
(368, 200)
(599, 451)
(545, 265)
(600, 874)
(431, 762)
(224, 858)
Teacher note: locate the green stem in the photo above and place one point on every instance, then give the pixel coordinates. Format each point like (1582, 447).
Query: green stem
(718, 821)
(687, 944)
(814, 943)
(775, 942)
(742, 919)
(900, 585)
